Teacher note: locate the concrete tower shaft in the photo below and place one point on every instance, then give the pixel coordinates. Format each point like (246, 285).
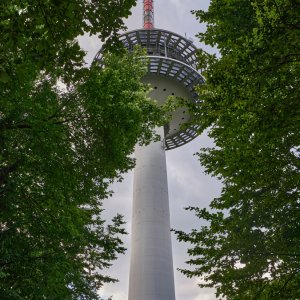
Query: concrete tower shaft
(151, 267)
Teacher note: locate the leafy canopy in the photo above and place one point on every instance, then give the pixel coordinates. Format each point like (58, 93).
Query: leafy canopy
(44, 33)
(250, 247)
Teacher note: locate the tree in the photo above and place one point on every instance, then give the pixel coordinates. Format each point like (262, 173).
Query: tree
(44, 33)
(66, 132)
(250, 245)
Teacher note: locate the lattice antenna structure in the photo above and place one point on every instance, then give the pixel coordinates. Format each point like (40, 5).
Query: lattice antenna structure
(148, 15)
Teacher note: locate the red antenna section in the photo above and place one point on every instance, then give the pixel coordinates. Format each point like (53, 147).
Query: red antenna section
(148, 14)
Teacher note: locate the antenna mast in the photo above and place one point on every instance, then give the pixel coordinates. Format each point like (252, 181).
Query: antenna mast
(148, 14)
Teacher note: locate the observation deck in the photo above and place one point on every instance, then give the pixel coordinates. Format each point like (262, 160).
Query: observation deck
(172, 71)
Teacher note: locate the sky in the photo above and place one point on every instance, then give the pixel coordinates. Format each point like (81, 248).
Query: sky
(187, 182)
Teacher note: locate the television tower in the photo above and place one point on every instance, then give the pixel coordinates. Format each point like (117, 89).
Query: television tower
(171, 71)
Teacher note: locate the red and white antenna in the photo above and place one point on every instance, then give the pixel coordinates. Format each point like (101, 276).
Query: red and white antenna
(148, 14)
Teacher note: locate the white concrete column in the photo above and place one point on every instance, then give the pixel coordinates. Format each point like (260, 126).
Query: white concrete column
(151, 266)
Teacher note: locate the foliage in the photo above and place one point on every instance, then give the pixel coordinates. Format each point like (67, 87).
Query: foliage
(44, 33)
(59, 152)
(66, 132)
(250, 245)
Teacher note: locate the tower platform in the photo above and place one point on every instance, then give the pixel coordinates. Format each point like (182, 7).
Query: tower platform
(172, 71)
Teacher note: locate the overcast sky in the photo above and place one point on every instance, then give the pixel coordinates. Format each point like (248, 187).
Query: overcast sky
(187, 183)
